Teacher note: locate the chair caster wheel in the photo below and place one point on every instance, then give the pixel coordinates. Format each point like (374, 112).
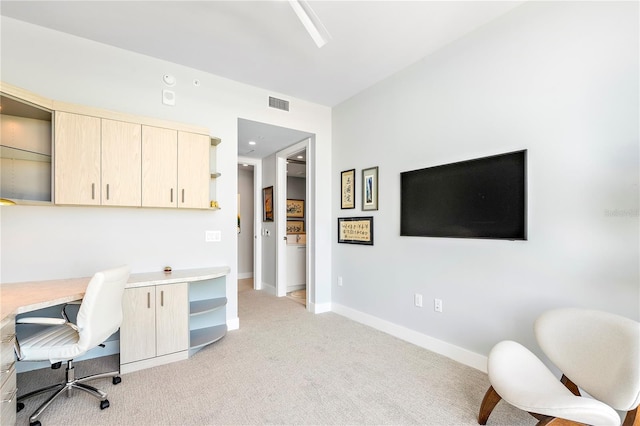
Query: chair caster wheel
(103, 404)
(116, 380)
(36, 423)
(19, 407)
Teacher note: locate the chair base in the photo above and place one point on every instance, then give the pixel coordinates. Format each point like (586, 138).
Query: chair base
(70, 384)
(491, 399)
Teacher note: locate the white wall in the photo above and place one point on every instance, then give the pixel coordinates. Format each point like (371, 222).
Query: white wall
(58, 242)
(245, 238)
(269, 247)
(557, 78)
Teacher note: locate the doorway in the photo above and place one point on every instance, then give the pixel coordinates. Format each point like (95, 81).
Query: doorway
(266, 148)
(296, 237)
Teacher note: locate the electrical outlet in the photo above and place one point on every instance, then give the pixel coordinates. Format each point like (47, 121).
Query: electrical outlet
(339, 281)
(417, 300)
(437, 305)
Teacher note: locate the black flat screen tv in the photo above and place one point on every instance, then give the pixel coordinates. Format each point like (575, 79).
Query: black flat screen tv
(480, 198)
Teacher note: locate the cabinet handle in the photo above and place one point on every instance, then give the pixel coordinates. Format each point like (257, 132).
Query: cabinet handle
(172, 195)
(183, 195)
(162, 298)
(107, 191)
(93, 191)
(8, 369)
(148, 300)
(11, 396)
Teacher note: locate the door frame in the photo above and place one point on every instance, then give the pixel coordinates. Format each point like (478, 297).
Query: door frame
(281, 215)
(257, 219)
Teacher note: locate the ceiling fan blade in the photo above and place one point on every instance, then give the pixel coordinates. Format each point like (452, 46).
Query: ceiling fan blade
(311, 22)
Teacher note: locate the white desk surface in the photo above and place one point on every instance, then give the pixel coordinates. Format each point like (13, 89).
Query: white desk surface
(16, 298)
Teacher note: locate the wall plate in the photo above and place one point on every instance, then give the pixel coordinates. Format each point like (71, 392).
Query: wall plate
(168, 97)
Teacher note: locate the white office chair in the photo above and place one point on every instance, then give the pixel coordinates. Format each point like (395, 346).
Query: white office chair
(597, 352)
(99, 316)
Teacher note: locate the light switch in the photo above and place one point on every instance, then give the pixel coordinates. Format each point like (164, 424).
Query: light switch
(213, 236)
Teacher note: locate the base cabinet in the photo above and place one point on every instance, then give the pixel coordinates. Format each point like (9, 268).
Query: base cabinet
(8, 389)
(155, 324)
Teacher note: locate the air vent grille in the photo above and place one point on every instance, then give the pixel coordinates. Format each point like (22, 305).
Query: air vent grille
(278, 103)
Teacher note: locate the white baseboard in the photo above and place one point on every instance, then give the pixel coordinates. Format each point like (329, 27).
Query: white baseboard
(233, 323)
(269, 289)
(319, 308)
(245, 275)
(456, 353)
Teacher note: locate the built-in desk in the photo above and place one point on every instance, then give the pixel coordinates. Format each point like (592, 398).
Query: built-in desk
(197, 297)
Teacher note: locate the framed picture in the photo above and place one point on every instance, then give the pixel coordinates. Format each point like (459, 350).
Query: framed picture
(348, 189)
(295, 208)
(370, 189)
(295, 226)
(355, 230)
(267, 204)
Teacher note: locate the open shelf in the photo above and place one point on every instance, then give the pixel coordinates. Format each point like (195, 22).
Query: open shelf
(205, 336)
(12, 153)
(215, 175)
(198, 307)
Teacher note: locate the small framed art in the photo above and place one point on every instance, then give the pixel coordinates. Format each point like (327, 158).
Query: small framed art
(267, 204)
(355, 230)
(295, 226)
(295, 208)
(370, 189)
(348, 189)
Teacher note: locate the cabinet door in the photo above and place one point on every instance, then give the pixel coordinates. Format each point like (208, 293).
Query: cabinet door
(172, 318)
(138, 329)
(159, 167)
(193, 170)
(121, 162)
(76, 159)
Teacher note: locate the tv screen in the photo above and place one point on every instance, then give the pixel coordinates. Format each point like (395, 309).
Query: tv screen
(481, 198)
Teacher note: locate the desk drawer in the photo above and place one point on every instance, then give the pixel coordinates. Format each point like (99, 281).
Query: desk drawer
(8, 390)
(7, 357)
(8, 396)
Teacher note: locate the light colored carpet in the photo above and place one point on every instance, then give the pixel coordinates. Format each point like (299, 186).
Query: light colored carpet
(285, 366)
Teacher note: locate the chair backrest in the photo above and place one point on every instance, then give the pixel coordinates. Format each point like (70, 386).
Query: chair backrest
(598, 351)
(100, 313)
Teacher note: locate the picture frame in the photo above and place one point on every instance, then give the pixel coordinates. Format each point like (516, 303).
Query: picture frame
(370, 189)
(355, 230)
(295, 208)
(295, 226)
(267, 204)
(348, 189)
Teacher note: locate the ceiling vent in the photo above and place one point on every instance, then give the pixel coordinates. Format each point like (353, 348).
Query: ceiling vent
(278, 103)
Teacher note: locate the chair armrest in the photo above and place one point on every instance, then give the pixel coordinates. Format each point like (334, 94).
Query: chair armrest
(41, 321)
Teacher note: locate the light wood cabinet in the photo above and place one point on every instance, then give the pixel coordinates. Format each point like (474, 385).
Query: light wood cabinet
(8, 389)
(175, 168)
(193, 170)
(76, 159)
(121, 159)
(155, 322)
(97, 161)
(159, 167)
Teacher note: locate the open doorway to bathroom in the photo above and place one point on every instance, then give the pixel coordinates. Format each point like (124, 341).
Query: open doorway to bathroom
(296, 250)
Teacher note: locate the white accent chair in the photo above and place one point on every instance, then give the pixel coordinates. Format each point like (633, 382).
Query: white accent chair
(597, 352)
(99, 316)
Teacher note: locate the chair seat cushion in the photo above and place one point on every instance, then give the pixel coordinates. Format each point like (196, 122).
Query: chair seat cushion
(54, 344)
(522, 380)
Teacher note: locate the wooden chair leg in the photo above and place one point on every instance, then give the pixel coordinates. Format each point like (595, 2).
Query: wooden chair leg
(491, 398)
(570, 385)
(632, 418)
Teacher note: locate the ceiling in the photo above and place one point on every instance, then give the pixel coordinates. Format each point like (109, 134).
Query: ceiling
(264, 44)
